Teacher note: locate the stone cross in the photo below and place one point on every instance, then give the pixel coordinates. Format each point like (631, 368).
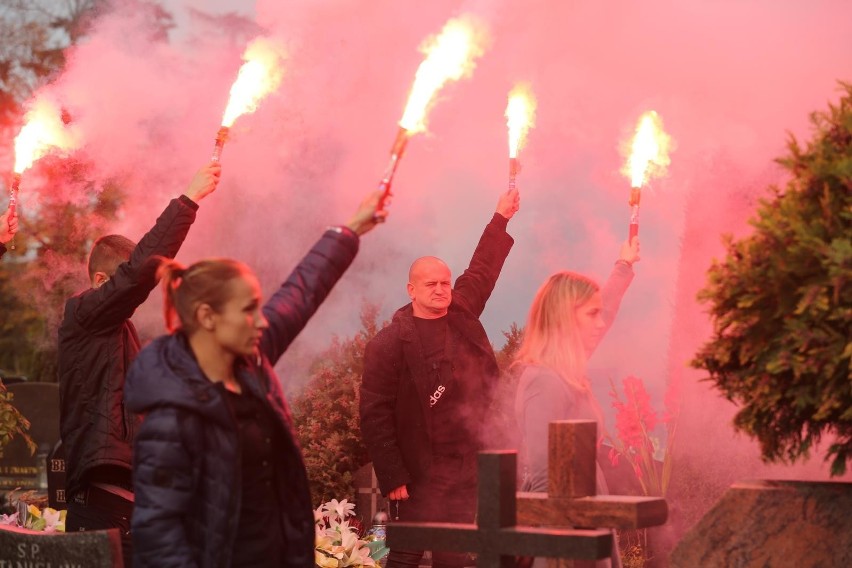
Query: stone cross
(495, 537)
(369, 499)
(572, 500)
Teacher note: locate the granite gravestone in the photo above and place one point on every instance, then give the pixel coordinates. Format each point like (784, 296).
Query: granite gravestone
(773, 523)
(56, 477)
(94, 549)
(38, 403)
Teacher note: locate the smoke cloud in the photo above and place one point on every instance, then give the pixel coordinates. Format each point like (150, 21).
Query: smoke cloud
(731, 81)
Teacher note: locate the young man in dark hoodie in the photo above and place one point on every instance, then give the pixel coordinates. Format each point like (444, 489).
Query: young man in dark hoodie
(97, 342)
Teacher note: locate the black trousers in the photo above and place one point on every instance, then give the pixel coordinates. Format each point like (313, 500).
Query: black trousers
(447, 494)
(94, 508)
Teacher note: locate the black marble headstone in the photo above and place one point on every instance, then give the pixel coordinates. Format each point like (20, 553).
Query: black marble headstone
(38, 403)
(56, 477)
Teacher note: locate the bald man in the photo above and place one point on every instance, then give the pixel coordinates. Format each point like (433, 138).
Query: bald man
(428, 380)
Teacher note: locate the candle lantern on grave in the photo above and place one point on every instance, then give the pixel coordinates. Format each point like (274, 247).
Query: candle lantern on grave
(449, 56)
(520, 117)
(377, 536)
(649, 157)
(258, 76)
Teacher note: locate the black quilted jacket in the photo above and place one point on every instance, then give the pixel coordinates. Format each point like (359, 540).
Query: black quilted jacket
(97, 342)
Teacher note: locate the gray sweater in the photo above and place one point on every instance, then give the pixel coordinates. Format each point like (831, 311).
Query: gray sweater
(543, 396)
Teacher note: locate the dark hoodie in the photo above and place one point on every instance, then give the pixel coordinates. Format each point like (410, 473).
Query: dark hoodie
(187, 455)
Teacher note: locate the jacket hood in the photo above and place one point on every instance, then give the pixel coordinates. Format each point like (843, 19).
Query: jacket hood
(165, 373)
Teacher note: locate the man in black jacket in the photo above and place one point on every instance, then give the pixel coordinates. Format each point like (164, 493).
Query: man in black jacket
(97, 342)
(428, 380)
(8, 228)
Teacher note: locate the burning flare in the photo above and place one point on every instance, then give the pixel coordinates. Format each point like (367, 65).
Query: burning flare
(42, 132)
(449, 56)
(649, 150)
(260, 75)
(649, 156)
(520, 116)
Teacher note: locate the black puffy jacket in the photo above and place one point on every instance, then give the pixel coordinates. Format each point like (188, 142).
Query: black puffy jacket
(97, 343)
(187, 467)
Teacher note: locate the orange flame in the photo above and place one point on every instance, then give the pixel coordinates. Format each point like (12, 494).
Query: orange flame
(520, 116)
(649, 150)
(42, 132)
(449, 56)
(260, 75)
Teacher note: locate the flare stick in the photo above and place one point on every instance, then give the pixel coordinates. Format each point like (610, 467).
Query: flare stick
(514, 168)
(13, 201)
(221, 137)
(635, 194)
(396, 154)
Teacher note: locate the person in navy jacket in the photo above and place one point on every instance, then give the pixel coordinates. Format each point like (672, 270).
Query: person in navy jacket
(217, 471)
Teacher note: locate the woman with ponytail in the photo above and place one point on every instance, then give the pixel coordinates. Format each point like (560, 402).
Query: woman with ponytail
(218, 475)
(568, 318)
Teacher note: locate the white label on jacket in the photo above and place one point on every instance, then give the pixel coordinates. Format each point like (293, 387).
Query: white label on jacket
(433, 400)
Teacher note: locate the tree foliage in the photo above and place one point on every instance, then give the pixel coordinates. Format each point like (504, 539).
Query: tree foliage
(326, 417)
(55, 236)
(781, 304)
(35, 34)
(502, 430)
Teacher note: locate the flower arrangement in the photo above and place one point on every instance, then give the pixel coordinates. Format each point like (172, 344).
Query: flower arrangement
(31, 517)
(635, 421)
(338, 541)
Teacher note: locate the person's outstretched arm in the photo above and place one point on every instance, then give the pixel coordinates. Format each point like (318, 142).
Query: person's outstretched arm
(619, 280)
(290, 308)
(474, 286)
(120, 296)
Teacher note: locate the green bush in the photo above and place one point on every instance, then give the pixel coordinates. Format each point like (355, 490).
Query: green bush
(326, 417)
(781, 304)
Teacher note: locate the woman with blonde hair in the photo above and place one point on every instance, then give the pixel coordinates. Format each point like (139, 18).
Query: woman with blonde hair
(217, 471)
(569, 316)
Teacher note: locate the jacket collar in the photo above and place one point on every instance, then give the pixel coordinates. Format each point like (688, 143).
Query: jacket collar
(404, 318)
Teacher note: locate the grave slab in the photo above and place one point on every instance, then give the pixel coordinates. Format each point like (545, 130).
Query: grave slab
(773, 523)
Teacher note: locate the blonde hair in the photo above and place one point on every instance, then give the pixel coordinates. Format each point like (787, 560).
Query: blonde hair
(551, 338)
(186, 288)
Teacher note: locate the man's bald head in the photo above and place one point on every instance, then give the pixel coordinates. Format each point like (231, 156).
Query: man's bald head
(430, 287)
(423, 265)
